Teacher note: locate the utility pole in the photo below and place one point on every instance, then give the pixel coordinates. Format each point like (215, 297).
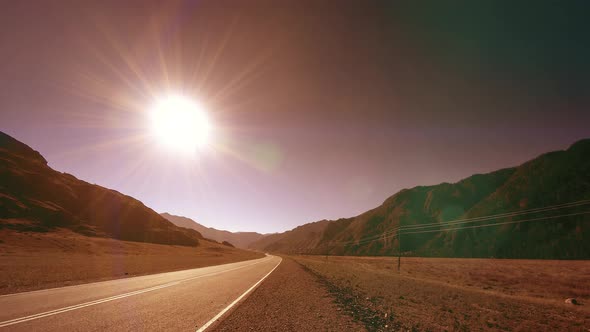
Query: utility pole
(399, 250)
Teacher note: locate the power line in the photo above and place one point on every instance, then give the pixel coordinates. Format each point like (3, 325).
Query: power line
(476, 226)
(449, 226)
(497, 224)
(501, 215)
(393, 231)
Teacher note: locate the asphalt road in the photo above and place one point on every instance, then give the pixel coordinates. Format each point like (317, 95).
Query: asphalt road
(175, 301)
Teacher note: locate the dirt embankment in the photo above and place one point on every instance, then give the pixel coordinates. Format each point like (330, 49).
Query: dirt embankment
(31, 261)
(290, 299)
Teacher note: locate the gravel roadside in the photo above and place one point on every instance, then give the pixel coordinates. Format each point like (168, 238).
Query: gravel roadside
(290, 299)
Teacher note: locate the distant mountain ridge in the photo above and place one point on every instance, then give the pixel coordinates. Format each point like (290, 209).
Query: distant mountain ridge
(552, 178)
(238, 239)
(36, 198)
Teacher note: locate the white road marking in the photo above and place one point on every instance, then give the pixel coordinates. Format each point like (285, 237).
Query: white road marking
(112, 298)
(204, 327)
(109, 281)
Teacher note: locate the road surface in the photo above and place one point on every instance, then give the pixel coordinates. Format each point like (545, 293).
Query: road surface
(186, 300)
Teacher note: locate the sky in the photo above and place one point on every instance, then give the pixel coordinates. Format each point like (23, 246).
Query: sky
(321, 110)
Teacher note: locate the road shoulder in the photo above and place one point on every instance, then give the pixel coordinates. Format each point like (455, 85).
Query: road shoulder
(290, 299)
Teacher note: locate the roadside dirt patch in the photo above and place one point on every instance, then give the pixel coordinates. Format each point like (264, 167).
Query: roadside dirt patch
(290, 299)
(458, 294)
(360, 306)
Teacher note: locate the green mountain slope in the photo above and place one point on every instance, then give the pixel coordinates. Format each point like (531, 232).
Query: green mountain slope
(552, 178)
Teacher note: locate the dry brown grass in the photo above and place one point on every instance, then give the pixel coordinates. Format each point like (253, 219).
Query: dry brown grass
(466, 294)
(30, 261)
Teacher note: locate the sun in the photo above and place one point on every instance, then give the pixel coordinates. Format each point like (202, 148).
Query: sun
(180, 123)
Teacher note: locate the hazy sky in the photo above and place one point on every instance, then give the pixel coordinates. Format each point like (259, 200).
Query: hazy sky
(321, 111)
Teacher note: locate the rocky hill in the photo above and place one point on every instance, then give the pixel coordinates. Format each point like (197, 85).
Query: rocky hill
(36, 198)
(238, 239)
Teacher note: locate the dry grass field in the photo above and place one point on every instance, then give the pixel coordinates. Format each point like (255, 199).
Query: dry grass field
(438, 294)
(30, 261)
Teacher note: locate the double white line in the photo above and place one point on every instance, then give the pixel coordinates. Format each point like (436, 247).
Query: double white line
(116, 297)
(83, 305)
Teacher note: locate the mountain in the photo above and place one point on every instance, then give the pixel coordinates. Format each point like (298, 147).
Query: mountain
(238, 239)
(36, 198)
(550, 179)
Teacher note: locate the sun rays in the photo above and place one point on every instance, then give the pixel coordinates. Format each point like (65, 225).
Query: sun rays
(125, 77)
